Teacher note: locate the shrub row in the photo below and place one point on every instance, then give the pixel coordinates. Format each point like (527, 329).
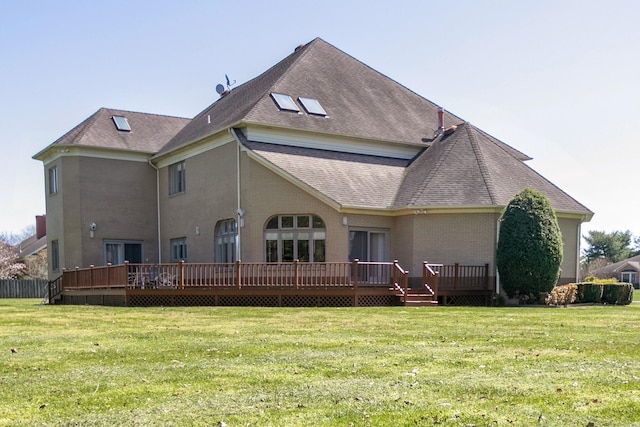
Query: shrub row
(604, 293)
(586, 292)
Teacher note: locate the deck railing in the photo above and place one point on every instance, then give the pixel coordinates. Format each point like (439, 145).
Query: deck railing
(297, 275)
(460, 277)
(181, 275)
(431, 277)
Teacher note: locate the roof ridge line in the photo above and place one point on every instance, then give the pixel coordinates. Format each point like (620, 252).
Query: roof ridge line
(299, 52)
(482, 164)
(143, 113)
(81, 128)
(441, 160)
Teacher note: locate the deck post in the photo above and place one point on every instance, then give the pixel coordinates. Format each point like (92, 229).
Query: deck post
(91, 275)
(355, 272)
(108, 275)
(126, 268)
(238, 281)
(486, 277)
(181, 274)
(456, 273)
(75, 277)
(295, 272)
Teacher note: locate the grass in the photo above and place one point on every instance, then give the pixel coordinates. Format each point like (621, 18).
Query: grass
(203, 366)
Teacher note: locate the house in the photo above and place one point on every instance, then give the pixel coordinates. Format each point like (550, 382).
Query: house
(627, 270)
(32, 251)
(319, 159)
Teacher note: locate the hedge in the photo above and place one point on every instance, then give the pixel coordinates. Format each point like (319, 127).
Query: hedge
(605, 293)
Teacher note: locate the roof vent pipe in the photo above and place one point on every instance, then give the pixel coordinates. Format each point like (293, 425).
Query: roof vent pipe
(440, 129)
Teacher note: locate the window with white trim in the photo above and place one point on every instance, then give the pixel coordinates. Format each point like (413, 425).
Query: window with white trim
(177, 178)
(179, 249)
(226, 237)
(629, 276)
(53, 180)
(116, 252)
(55, 256)
(291, 237)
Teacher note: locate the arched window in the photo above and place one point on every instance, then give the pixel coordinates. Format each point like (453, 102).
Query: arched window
(291, 237)
(226, 236)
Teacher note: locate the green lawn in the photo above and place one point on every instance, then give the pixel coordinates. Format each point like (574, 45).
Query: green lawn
(209, 366)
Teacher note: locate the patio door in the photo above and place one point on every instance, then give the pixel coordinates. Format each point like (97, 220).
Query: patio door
(369, 245)
(117, 252)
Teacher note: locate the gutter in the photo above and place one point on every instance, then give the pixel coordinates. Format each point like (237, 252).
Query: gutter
(157, 209)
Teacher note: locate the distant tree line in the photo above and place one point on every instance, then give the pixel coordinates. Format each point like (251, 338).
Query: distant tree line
(607, 248)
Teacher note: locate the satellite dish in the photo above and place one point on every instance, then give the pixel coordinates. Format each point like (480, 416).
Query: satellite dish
(220, 89)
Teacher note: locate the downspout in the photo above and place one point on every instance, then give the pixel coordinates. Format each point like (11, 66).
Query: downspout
(578, 240)
(495, 258)
(157, 209)
(239, 210)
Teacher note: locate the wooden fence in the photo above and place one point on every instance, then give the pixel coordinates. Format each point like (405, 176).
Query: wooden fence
(19, 288)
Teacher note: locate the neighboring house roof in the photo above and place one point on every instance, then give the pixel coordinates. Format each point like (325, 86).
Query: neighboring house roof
(31, 246)
(629, 263)
(149, 132)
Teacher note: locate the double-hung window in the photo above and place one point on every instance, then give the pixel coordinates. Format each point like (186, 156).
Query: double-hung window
(53, 180)
(179, 249)
(177, 178)
(55, 256)
(226, 235)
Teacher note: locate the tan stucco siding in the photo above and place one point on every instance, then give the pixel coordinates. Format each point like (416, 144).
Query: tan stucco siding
(119, 197)
(265, 194)
(55, 220)
(210, 196)
(570, 239)
(467, 239)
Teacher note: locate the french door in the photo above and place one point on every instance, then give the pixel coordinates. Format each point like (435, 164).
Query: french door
(370, 245)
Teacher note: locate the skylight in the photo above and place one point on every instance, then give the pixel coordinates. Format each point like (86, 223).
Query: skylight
(312, 106)
(285, 102)
(121, 123)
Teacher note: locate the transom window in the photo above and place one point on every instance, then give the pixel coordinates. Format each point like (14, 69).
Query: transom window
(226, 235)
(177, 178)
(291, 237)
(179, 249)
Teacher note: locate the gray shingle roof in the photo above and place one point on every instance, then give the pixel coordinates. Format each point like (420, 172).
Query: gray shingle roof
(149, 132)
(353, 180)
(466, 168)
(360, 101)
(470, 168)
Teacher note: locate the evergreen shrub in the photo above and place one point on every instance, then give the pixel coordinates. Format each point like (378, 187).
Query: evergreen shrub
(529, 245)
(618, 293)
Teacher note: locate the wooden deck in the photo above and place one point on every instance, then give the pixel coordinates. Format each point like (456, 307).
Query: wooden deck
(296, 284)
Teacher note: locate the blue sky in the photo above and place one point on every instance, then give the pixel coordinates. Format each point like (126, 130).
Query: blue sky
(557, 80)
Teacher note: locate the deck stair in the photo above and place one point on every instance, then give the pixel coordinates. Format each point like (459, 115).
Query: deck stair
(419, 299)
